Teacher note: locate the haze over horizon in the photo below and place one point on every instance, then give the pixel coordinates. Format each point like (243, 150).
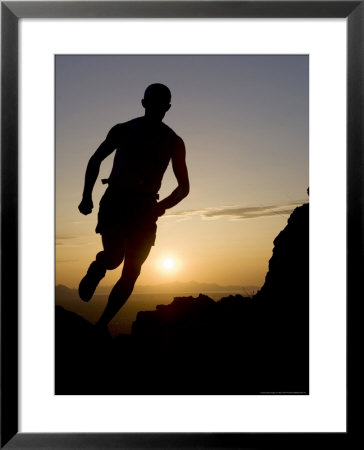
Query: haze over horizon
(244, 120)
(177, 287)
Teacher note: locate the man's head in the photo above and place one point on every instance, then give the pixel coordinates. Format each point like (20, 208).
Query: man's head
(156, 101)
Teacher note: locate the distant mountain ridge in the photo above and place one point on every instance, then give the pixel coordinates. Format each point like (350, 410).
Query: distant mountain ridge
(175, 287)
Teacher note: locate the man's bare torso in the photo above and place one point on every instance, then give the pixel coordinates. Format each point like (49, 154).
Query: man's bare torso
(143, 152)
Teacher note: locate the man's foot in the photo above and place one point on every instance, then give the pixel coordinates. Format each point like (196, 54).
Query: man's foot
(90, 281)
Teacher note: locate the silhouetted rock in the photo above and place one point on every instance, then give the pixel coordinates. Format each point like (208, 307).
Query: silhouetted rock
(81, 353)
(283, 304)
(200, 343)
(288, 274)
(182, 312)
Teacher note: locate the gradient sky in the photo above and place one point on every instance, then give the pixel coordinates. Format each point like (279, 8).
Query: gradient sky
(244, 120)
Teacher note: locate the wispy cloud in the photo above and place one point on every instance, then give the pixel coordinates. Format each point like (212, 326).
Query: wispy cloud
(65, 236)
(240, 212)
(69, 240)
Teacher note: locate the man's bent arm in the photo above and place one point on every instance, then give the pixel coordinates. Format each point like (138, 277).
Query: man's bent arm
(181, 174)
(93, 168)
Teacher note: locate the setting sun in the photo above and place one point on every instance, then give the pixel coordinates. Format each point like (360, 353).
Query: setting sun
(168, 263)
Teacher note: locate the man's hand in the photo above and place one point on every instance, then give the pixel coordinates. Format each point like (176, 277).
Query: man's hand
(86, 206)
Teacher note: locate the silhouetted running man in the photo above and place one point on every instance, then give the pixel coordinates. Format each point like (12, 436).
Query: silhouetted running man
(129, 208)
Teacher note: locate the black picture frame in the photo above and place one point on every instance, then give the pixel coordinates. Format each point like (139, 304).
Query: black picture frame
(11, 12)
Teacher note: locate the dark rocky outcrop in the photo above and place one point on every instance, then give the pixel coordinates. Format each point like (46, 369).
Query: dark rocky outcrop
(238, 345)
(82, 353)
(283, 303)
(288, 274)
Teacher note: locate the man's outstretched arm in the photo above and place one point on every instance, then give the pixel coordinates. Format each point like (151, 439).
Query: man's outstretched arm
(181, 173)
(93, 168)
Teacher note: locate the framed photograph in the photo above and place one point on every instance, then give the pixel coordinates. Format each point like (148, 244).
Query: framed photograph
(209, 309)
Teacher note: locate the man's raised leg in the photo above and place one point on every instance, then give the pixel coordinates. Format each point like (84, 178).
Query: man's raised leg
(108, 259)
